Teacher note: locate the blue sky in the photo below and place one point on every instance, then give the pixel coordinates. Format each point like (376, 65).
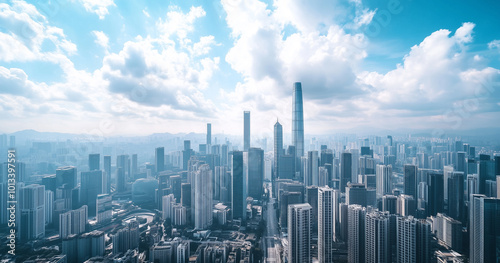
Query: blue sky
(141, 67)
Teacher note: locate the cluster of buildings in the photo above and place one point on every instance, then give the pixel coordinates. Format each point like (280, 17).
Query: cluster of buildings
(346, 199)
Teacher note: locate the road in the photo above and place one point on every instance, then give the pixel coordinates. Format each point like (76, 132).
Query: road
(271, 236)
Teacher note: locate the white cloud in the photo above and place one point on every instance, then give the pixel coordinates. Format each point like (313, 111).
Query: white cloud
(25, 33)
(101, 39)
(494, 44)
(204, 46)
(150, 80)
(156, 73)
(430, 81)
(179, 24)
(324, 62)
(98, 7)
(429, 78)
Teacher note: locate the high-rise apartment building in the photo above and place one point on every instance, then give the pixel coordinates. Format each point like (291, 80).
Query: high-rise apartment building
(299, 233)
(203, 197)
(32, 212)
(325, 224)
(383, 178)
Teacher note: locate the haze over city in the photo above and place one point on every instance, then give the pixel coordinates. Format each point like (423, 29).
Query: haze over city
(151, 67)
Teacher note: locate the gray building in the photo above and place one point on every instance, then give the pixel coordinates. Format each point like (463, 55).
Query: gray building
(298, 120)
(299, 233)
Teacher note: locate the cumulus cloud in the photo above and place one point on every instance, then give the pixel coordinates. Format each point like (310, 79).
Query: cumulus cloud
(434, 77)
(98, 7)
(101, 39)
(157, 72)
(430, 76)
(324, 60)
(178, 23)
(495, 44)
(25, 33)
(150, 79)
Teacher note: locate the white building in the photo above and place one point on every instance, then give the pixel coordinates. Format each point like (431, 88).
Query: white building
(203, 197)
(325, 224)
(299, 233)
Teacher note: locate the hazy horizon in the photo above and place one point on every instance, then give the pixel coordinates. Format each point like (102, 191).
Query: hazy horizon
(153, 68)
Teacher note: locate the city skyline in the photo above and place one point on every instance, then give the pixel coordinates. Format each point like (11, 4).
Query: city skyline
(149, 68)
(249, 131)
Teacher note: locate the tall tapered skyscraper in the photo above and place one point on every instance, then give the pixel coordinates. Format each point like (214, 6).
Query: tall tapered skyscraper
(298, 120)
(246, 130)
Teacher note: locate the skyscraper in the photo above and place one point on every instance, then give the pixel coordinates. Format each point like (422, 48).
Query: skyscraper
(238, 185)
(255, 172)
(456, 208)
(325, 224)
(175, 184)
(73, 222)
(126, 238)
(345, 170)
(66, 175)
(278, 149)
(299, 233)
(406, 205)
(134, 170)
(92, 185)
(186, 154)
(160, 159)
(120, 180)
(32, 211)
(435, 193)
(484, 230)
(377, 243)
(122, 161)
(390, 204)
(312, 169)
(298, 120)
(356, 234)
(383, 177)
(410, 177)
(209, 134)
(203, 197)
(107, 170)
(413, 240)
(104, 208)
(167, 203)
(246, 130)
(94, 159)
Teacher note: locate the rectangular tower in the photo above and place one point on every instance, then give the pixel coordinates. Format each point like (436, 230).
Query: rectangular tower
(246, 130)
(325, 224)
(299, 233)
